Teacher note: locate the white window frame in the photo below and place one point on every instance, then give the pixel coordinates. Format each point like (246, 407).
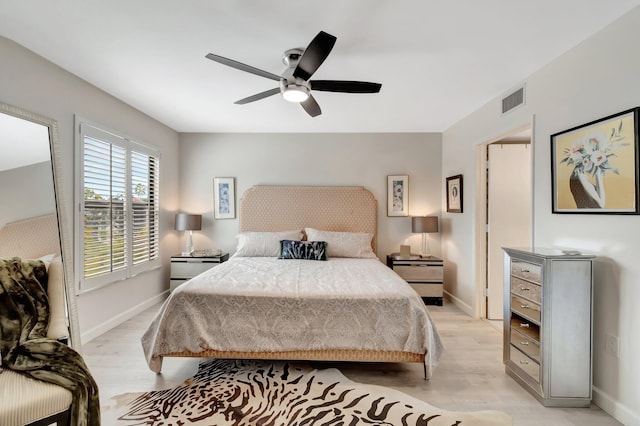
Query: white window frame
(85, 127)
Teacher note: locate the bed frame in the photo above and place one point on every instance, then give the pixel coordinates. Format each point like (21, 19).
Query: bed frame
(30, 238)
(330, 208)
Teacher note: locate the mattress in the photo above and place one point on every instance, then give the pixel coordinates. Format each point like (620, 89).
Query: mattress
(266, 305)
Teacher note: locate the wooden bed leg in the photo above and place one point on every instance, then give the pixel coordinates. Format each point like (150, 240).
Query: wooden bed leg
(424, 368)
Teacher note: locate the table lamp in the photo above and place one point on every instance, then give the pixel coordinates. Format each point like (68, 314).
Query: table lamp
(188, 223)
(424, 225)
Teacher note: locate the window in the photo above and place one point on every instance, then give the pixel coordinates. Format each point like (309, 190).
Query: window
(117, 230)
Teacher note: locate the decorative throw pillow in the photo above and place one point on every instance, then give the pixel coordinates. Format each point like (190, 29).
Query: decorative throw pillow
(344, 244)
(263, 244)
(309, 250)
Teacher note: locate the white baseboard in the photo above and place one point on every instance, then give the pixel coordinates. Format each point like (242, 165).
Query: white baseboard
(460, 304)
(89, 335)
(618, 411)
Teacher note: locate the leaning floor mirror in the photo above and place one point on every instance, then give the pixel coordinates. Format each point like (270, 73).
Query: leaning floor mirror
(32, 213)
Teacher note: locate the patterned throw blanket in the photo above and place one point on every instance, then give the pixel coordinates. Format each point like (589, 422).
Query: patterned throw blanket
(24, 318)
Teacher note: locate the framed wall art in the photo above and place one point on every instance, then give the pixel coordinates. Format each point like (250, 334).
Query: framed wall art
(454, 194)
(594, 166)
(224, 200)
(398, 195)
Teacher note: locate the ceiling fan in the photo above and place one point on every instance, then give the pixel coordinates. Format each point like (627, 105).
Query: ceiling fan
(295, 85)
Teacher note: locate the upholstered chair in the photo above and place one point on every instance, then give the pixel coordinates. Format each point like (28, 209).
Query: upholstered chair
(27, 401)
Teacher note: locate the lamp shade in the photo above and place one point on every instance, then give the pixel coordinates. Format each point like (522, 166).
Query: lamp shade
(188, 222)
(424, 224)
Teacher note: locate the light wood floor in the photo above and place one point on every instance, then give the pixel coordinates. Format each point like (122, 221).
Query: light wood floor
(470, 375)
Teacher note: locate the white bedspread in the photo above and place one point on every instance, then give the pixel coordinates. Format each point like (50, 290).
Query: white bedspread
(255, 304)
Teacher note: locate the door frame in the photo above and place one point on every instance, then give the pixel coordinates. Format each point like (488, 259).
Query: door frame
(480, 250)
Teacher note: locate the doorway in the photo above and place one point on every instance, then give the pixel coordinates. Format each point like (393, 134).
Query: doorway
(503, 214)
(508, 212)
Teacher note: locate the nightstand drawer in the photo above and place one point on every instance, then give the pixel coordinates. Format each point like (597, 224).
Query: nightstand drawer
(428, 290)
(173, 284)
(418, 272)
(190, 269)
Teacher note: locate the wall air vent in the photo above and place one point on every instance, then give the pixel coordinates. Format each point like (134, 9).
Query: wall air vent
(513, 100)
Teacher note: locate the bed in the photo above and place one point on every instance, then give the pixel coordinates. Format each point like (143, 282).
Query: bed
(349, 307)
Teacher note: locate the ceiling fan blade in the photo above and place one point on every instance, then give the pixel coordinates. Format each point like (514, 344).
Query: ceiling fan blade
(345, 86)
(314, 55)
(258, 96)
(242, 67)
(311, 106)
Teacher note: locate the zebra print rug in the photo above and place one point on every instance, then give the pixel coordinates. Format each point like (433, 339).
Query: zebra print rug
(266, 393)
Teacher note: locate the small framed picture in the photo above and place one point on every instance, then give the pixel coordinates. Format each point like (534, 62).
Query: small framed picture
(398, 195)
(224, 200)
(454, 194)
(595, 166)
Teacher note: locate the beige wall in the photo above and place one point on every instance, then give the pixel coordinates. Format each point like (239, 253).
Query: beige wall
(312, 159)
(26, 192)
(30, 82)
(597, 78)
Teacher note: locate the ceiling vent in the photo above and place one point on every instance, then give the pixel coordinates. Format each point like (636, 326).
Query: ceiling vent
(513, 100)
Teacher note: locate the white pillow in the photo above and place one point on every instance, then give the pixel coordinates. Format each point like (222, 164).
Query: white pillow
(263, 244)
(344, 244)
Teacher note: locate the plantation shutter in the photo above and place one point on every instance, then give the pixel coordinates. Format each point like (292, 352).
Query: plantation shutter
(145, 209)
(119, 207)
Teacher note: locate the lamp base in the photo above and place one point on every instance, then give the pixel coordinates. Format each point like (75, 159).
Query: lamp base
(188, 244)
(424, 248)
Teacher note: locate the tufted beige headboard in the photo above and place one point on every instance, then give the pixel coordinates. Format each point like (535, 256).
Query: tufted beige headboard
(330, 208)
(30, 238)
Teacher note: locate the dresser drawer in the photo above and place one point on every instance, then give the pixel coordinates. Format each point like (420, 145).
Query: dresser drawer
(526, 270)
(420, 272)
(528, 365)
(525, 327)
(526, 308)
(526, 289)
(529, 346)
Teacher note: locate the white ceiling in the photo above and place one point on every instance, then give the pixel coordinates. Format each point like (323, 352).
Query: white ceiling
(437, 60)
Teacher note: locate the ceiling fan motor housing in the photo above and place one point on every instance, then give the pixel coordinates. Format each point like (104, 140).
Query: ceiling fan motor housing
(293, 89)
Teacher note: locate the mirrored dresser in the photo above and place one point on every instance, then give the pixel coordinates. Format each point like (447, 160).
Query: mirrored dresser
(548, 324)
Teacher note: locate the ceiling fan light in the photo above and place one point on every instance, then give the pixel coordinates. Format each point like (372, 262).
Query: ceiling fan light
(294, 93)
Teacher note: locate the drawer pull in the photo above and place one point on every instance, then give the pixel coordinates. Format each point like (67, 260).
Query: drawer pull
(525, 288)
(524, 362)
(524, 306)
(524, 343)
(524, 325)
(524, 270)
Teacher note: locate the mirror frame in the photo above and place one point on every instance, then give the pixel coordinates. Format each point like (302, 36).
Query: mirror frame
(66, 247)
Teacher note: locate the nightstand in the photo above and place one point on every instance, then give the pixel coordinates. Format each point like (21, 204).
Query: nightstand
(183, 268)
(424, 274)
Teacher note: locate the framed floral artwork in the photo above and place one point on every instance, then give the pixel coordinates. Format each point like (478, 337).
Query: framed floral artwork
(594, 166)
(454, 194)
(224, 200)
(398, 195)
